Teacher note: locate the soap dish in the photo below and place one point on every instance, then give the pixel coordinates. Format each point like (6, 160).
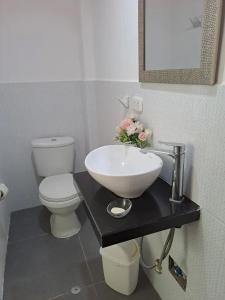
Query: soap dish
(119, 208)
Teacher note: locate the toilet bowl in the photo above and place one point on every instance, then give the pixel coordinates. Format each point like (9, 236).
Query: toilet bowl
(60, 196)
(53, 159)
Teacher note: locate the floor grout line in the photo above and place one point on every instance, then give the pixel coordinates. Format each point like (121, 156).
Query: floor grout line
(89, 269)
(85, 258)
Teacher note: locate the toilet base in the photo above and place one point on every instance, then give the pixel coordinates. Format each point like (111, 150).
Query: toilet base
(64, 226)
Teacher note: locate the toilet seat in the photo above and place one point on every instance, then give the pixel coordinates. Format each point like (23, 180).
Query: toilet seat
(75, 201)
(58, 189)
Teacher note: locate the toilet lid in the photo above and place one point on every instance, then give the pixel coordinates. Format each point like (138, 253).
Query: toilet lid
(58, 188)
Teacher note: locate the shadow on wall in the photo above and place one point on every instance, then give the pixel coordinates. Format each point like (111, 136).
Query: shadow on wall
(37, 178)
(209, 91)
(188, 170)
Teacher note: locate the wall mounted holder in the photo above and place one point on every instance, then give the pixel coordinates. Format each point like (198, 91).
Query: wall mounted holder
(3, 191)
(152, 212)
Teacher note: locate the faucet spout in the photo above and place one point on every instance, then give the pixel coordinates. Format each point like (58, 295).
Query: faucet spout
(178, 155)
(157, 151)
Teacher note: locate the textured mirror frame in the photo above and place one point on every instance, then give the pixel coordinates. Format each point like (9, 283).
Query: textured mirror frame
(206, 74)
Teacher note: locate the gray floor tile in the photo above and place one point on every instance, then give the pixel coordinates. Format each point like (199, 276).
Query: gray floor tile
(89, 239)
(87, 293)
(95, 266)
(91, 248)
(143, 291)
(28, 223)
(44, 267)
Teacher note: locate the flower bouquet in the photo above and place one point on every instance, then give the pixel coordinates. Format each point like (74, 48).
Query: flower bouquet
(132, 131)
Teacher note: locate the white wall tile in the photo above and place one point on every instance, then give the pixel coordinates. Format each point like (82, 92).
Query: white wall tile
(220, 286)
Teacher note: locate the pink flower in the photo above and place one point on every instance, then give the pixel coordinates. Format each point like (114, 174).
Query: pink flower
(126, 123)
(142, 136)
(131, 129)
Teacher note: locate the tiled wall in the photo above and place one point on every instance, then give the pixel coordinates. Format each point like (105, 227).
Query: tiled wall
(31, 110)
(193, 115)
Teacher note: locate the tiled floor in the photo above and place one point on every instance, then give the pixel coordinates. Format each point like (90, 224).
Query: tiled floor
(41, 267)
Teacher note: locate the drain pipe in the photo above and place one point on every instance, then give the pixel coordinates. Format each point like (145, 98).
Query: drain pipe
(157, 265)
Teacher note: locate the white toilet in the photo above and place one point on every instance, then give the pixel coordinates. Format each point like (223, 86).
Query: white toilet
(54, 160)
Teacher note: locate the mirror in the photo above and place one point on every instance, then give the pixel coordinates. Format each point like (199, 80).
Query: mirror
(178, 40)
(173, 34)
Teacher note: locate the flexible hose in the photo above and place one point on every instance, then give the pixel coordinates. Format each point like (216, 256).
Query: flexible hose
(157, 265)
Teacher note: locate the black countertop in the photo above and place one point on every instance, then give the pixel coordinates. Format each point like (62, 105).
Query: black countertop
(152, 212)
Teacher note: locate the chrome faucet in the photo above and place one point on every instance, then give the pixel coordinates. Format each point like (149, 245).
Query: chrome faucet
(178, 155)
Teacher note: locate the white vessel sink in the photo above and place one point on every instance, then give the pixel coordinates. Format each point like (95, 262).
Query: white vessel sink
(124, 170)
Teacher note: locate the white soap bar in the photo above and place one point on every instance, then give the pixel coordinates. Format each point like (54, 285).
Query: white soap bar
(117, 210)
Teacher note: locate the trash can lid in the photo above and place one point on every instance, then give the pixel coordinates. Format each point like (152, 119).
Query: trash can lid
(124, 253)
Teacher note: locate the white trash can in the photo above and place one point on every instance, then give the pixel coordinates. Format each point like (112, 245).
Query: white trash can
(121, 266)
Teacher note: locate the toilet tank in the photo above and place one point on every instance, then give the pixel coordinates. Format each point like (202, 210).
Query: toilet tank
(53, 155)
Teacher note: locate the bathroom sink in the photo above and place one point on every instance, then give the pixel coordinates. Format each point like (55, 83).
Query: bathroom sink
(123, 169)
